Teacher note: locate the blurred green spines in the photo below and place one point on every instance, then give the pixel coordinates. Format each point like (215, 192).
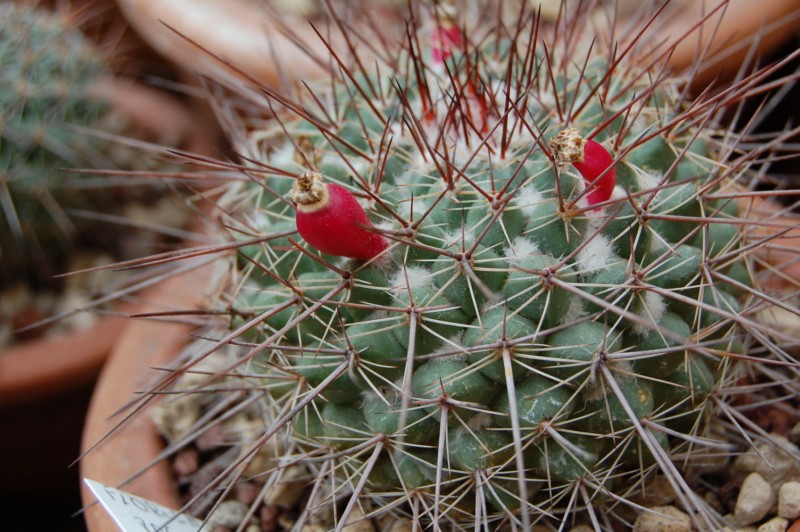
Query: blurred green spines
(47, 68)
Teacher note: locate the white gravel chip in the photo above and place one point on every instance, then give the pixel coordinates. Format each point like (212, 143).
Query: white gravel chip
(771, 461)
(795, 434)
(776, 524)
(755, 500)
(229, 514)
(663, 519)
(789, 500)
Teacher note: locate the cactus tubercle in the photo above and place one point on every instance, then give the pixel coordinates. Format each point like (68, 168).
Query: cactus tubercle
(591, 159)
(331, 220)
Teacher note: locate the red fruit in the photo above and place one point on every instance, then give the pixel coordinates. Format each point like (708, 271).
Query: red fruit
(445, 40)
(331, 220)
(446, 37)
(591, 159)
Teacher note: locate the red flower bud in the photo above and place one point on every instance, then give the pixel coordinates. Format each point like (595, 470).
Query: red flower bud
(591, 159)
(331, 220)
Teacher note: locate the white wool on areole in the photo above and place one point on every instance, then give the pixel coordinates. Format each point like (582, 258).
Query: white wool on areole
(653, 309)
(596, 254)
(528, 198)
(519, 249)
(411, 278)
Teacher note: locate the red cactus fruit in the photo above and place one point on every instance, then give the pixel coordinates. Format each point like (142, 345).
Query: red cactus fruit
(447, 36)
(591, 159)
(330, 218)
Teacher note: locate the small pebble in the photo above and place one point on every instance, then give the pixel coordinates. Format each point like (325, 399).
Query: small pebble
(247, 492)
(773, 463)
(357, 522)
(228, 514)
(265, 458)
(663, 519)
(742, 529)
(287, 490)
(795, 433)
(400, 525)
(582, 528)
(776, 524)
(176, 416)
(789, 500)
(269, 518)
(755, 500)
(659, 492)
(203, 477)
(186, 462)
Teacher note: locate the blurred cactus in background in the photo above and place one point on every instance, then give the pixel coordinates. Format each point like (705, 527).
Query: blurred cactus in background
(47, 70)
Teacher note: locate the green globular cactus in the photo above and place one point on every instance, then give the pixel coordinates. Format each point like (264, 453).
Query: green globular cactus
(542, 302)
(47, 67)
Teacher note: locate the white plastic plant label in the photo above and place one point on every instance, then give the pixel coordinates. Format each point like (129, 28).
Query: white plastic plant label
(134, 514)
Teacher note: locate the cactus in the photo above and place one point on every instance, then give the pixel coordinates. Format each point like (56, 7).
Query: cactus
(47, 70)
(487, 283)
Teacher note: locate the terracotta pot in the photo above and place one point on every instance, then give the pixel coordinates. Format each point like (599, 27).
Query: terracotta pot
(242, 32)
(145, 344)
(782, 253)
(727, 37)
(45, 386)
(238, 31)
(43, 368)
(153, 115)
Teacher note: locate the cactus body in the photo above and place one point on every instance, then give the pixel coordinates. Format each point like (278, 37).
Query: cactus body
(514, 347)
